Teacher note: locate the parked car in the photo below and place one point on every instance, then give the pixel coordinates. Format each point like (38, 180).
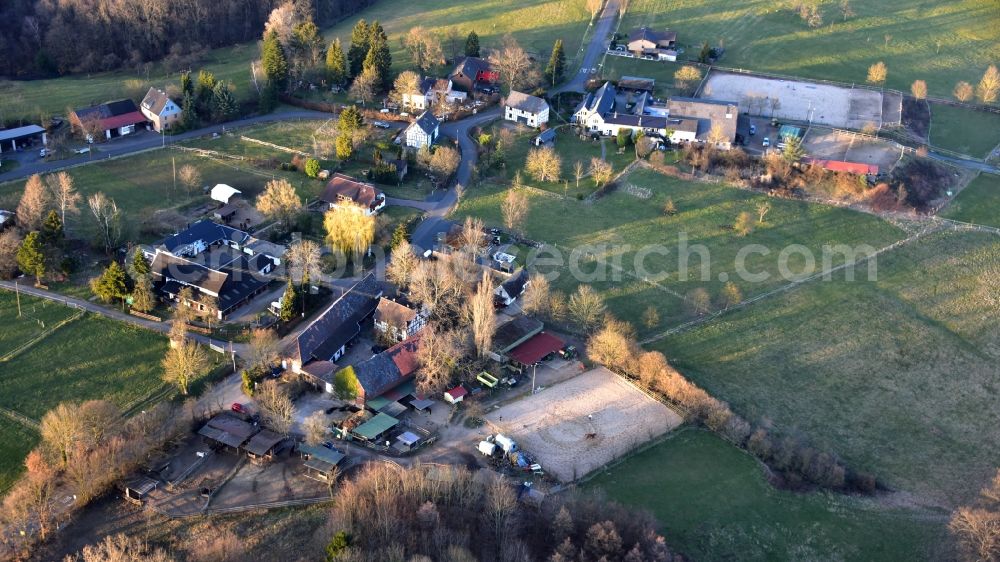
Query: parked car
(568, 352)
(384, 110)
(83, 150)
(44, 152)
(380, 124)
(238, 408)
(753, 129)
(766, 142)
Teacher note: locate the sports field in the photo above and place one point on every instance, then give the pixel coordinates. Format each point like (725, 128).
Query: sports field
(54, 354)
(608, 235)
(978, 203)
(897, 376)
(714, 503)
(535, 24)
(941, 43)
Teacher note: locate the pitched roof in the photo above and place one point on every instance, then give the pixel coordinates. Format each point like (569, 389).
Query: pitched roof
(388, 369)
(546, 135)
(514, 285)
(442, 85)
(513, 333)
(228, 429)
(155, 101)
(341, 185)
(376, 426)
(322, 370)
(470, 66)
(222, 192)
(113, 114)
(426, 122)
(629, 120)
(263, 442)
(525, 102)
(187, 241)
(599, 101)
(426, 84)
(187, 272)
(394, 313)
(534, 349)
(339, 323)
(708, 112)
(651, 35)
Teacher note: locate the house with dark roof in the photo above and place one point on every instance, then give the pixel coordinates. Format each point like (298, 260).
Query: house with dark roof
(594, 105)
(343, 191)
(160, 110)
(216, 291)
(111, 119)
(422, 132)
(473, 72)
(643, 41)
(513, 333)
(532, 111)
(326, 338)
(513, 287)
(420, 99)
(396, 321)
(387, 370)
(636, 84)
(216, 245)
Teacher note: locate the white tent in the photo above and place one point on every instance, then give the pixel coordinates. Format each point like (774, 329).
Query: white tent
(223, 192)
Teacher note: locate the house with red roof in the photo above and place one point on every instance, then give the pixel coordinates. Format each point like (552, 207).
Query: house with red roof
(343, 191)
(110, 119)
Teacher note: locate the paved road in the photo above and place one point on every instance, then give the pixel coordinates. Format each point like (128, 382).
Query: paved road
(595, 49)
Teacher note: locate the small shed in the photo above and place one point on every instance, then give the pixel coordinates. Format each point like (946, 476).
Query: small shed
(262, 446)
(546, 136)
(320, 462)
(376, 427)
(223, 193)
(227, 430)
(406, 441)
(226, 212)
(136, 490)
(455, 395)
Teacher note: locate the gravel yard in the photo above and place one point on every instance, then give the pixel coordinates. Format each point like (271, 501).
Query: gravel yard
(580, 425)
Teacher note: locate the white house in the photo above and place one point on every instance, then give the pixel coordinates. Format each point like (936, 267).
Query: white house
(522, 108)
(432, 91)
(590, 111)
(161, 111)
(513, 287)
(421, 99)
(422, 132)
(397, 321)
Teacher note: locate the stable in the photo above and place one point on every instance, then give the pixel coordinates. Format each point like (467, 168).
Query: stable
(13, 139)
(533, 350)
(320, 462)
(375, 428)
(227, 430)
(262, 447)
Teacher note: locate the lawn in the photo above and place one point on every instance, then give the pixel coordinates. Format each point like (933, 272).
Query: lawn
(37, 317)
(714, 504)
(662, 72)
(975, 133)
(978, 203)
(618, 226)
(16, 441)
(536, 25)
(941, 43)
(569, 147)
(897, 376)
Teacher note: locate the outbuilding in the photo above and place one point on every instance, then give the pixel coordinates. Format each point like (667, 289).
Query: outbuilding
(12, 139)
(455, 395)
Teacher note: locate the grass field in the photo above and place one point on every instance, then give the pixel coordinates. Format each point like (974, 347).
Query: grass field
(535, 24)
(759, 36)
(975, 133)
(37, 317)
(715, 504)
(626, 224)
(978, 203)
(16, 441)
(898, 376)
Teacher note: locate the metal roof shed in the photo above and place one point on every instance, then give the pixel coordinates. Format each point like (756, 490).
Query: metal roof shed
(320, 459)
(533, 350)
(375, 427)
(222, 192)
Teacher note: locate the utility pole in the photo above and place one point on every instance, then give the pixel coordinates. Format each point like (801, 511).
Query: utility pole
(17, 294)
(533, 367)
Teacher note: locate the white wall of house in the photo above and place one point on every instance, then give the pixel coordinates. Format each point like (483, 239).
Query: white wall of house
(416, 101)
(530, 119)
(417, 138)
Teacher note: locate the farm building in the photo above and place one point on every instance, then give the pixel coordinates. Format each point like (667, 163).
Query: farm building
(546, 136)
(21, 137)
(327, 337)
(227, 430)
(534, 350)
(110, 120)
(396, 321)
(422, 132)
(383, 373)
(455, 395)
(472, 73)
(209, 243)
(343, 191)
(513, 333)
(224, 193)
(643, 41)
(375, 428)
(718, 114)
(160, 110)
(513, 287)
(594, 106)
(262, 446)
(532, 111)
(320, 462)
(218, 290)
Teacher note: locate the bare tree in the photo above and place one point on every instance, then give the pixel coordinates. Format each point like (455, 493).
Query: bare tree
(10, 242)
(34, 205)
(919, 89)
(586, 307)
(407, 82)
(263, 349)
(686, 77)
(119, 548)
(514, 65)
(436, 285)
(846, 10)
(578, 172)
(438, 356)
(877, 73)
(280, 202)
(514, 209)
(543, 164)
(594, 7)
(744, 224)
(185, 359)
(763, 208)
(364, 86)
(316, 427)
(989, 86)
(402, 264)
(276, 408)
(600, 171)
(536, 299)
(424, 48)
(651, 317)
(61, 428)
(978, 532)
(963, 91)
(109, 219)
(444, 161)
(481, 315)
(190, 177)
(473, 237)
(66, 198)
(304, 261)
(29, 505)
(731, 294)
(698, 301)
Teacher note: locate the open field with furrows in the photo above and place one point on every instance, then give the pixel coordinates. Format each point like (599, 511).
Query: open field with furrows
(536, 25)
(621, 225)
(715, 504)
(897, 376)
(941, 43)
(54, 354)
(975, 133)
(978, 203)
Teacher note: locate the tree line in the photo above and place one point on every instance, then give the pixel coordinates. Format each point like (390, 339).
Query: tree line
(47, 37)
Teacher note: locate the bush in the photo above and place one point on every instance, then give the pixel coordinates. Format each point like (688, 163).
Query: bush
(312, 167)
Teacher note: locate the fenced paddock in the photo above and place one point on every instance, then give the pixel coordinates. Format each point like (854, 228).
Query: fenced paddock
(580, 425)
(827, 104)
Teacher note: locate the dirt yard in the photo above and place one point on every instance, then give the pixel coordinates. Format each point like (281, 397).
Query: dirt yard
(580, 425)
(828, 144)
(835, 106)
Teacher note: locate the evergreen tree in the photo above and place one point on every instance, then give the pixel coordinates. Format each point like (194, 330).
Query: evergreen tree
(224, 105)
(336, 63)
(349, 121)
(359, 47)
(399, 235)
(187, 86)
(143, 298)
(287, 311)
(557, 64)
(31, 256)
(140, 265)
(273, 61)
(52, 229)
(206, 85)
(112, 284)
(472, 45)
(705, 54)
(379, 59)
(189, 115)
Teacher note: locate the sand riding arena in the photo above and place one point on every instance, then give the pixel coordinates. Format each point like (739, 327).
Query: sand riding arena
(582, 424)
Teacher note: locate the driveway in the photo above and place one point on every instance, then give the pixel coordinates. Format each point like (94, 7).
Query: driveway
(595, 50)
